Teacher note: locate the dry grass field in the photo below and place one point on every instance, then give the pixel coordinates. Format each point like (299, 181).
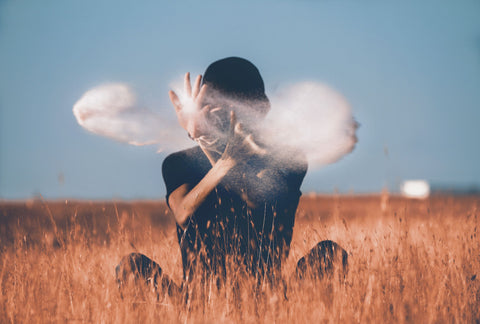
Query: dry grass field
(409, 261)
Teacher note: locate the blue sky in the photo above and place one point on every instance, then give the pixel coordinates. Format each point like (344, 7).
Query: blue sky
(410, 70)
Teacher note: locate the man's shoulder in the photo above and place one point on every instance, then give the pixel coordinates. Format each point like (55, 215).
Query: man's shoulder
(186, 166)
(193, 153)
(189, 158)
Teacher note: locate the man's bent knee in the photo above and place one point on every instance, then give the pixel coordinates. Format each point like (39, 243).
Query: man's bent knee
(138, 267)
(325, 258)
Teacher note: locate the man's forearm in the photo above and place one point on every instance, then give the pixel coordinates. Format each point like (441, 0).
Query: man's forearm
(184, 207)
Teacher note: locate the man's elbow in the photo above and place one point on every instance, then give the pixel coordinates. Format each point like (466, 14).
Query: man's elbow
(181, 217)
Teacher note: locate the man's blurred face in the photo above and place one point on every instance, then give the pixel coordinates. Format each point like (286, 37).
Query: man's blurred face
(208, 123)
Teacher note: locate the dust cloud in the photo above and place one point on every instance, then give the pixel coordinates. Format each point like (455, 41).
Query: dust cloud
(112, 110)
(309, 117)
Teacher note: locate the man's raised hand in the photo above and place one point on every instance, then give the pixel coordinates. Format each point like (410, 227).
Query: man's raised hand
(240, 146)
(190, 113)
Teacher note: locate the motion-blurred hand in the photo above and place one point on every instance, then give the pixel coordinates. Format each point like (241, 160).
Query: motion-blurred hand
(240, 146)
(190, 114)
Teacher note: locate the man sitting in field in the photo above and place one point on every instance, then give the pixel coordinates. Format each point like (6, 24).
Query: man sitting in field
(234, 196)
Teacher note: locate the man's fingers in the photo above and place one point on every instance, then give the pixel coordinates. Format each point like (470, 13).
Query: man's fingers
(196, 86)
(186, 84)
(175, 101)
(233, 121)
(255, 148)
(209, 109)
(201, 94)
(239, 129)
(215, 118)
(213, 110)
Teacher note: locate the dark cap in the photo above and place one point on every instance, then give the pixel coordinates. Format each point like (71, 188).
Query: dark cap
(236, 78)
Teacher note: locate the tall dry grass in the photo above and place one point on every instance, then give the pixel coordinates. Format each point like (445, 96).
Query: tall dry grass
(409, 261)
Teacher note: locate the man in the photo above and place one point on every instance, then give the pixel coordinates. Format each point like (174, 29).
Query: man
(234, 196)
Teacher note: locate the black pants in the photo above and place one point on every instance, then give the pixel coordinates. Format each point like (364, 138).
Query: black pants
(322, 260)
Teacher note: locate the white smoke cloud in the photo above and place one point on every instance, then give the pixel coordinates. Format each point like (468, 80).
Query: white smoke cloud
(307, 116)
(111, 110)
(314, 118)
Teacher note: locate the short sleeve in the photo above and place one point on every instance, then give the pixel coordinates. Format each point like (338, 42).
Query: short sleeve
(175, 172)
(184, 167)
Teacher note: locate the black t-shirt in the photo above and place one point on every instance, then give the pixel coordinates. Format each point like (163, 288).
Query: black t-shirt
(225, 230)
